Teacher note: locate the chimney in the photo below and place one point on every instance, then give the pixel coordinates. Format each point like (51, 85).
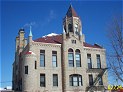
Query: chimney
(21, 39)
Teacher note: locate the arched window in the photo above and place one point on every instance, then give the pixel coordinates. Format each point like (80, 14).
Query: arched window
(75, 80)
(70, 58)
(70, 28)
(78, 58)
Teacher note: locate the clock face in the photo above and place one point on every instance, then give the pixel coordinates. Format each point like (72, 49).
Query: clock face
(76, 29)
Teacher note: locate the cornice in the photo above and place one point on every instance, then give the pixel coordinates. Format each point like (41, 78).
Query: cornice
(45, 44)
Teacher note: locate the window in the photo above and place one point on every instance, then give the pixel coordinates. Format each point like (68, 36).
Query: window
(100, 80)
(55, 80)
(73, 41)
(42, 58)
(42, 80)
(54, 58)
(75, 80)
(70, 58)
(98, 61)
(78, 58)
(26, 69)
(35, 64)
(70, 28)
(89, 61)
(90, 80)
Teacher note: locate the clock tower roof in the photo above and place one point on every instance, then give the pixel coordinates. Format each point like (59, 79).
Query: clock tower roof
(71, 12)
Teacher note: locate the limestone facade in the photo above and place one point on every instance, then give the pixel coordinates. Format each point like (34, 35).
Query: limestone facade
(71, 69)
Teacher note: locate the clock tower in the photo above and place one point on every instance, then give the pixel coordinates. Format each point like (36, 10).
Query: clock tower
(72, 41)
(72, 25)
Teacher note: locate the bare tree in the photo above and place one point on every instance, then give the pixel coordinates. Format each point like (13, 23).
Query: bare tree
(115, 55)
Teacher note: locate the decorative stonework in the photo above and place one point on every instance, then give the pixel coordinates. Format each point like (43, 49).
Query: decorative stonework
(41, 62)
(46, 44)
(94, 49)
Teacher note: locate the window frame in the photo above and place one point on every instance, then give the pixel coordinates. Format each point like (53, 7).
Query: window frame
(42, 53)
(100, 80)
(54, 53)
(42, 83)
(91, 82)
(35, 64)
(77, 82)
(73, 41)
(98, 61)
(89, 61)
(55, 80)
(70, 57)
(26, 69)
(77, 52)
(70, 27)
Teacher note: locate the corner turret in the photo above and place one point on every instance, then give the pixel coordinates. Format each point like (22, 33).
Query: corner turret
(72, 25)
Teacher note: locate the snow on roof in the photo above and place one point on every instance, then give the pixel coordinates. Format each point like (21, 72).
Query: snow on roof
(51, 34)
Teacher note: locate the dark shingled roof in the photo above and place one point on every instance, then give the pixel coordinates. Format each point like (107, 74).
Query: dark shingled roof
(71, 12)
(57, 39)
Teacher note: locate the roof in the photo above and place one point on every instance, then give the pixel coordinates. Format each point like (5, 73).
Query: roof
(57, 39)
(71, 12)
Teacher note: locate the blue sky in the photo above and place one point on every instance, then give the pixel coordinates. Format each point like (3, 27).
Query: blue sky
(46, 17)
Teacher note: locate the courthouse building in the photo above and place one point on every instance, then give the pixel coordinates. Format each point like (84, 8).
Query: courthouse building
(59, 63)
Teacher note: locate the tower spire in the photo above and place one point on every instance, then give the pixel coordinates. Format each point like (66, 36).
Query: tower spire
(71, 12)
(30, 33)
(70, 5)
